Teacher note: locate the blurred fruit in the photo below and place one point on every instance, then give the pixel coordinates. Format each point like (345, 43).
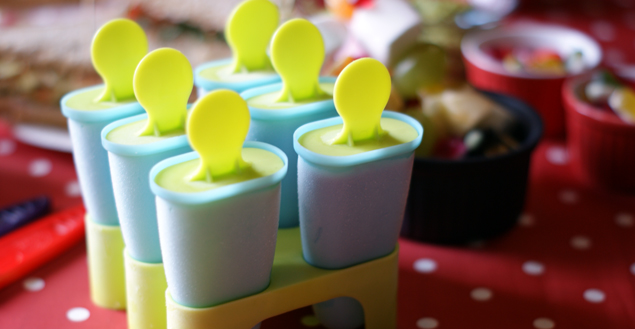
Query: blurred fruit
(340, 8)
(575, 63)
(598, 90)
(466, 109)
(622, 102)
(488, 142)
(339, 66)
(478, 140)
(429, 133)
(512, 64)
(395, 102)
(421, 66)
(451, 148)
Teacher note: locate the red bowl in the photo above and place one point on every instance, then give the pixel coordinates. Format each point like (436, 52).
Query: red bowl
(599, 142)
(542, 92)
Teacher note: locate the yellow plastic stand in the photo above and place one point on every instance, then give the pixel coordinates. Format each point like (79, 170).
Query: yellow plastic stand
(145, 289)
(295, 284)
(105, 265)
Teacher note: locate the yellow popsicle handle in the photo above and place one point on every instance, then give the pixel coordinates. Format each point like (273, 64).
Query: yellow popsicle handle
(361, 93)
(117, 48)
(216, 129)
(248, 31)
(297, 54)
(162, 84)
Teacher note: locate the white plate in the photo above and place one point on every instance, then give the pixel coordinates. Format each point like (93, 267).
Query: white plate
(46, 137)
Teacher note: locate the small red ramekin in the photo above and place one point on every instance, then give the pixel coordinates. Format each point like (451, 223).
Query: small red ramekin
(543, 92)
(600, 143)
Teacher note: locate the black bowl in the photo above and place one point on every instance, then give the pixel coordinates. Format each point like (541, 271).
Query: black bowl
(458, 201)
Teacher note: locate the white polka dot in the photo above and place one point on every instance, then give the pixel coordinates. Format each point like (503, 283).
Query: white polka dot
(557, 155)
(624, 219)
(427, 323)
(526, 220)
(533, 268)
(568, 196)
(40, 167)
(481, 294)
(594, 295)
(33, 284)
(77, 314)
(603, 30)
(580, 242)
(425, 265)
(633, 268)
(544, 323)
(73, 189)
(7, 146)
(61, 229)
(614, 56)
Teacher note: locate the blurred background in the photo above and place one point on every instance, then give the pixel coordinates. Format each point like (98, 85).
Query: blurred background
(44, 44)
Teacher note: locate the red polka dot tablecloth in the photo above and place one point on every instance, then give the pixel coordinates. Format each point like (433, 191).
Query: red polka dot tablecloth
(570, 263)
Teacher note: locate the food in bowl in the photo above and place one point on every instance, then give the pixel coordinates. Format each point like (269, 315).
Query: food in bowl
(608, 94)
(463, 123)
(537, 60)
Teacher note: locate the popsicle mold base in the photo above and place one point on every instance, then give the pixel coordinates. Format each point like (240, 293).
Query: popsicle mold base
(145, 290)
(105, 265)
(295, 284)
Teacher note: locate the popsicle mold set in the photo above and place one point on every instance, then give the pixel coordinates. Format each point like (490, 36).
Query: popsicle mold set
(257, 199)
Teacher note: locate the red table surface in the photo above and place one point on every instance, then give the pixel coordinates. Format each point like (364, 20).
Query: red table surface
(570, 263)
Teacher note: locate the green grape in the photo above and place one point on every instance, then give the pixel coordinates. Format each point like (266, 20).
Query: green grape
(422, 65)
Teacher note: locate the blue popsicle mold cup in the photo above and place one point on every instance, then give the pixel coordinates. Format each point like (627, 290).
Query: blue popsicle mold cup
(205, 85)
(276, 126)
(104, 242)
(351, 209)
(129, 168)
(91, 160)
(218, 245)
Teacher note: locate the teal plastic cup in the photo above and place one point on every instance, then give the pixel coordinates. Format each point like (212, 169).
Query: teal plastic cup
(91, 160)
(205, 80)
(129, 169)
(351, 209)
(276, 127)
(218, 245)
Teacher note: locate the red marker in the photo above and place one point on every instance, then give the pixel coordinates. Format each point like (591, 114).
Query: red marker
(37, 243)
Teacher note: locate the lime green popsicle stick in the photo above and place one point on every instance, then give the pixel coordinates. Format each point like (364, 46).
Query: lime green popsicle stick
(216, 129)
(360, 95)
(162, 84)
(117, 48)
(297, 54)
(248, 31)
